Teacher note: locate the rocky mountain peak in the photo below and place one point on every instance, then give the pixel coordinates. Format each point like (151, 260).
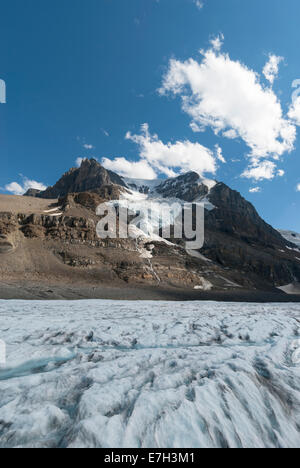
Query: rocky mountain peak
(32, 192)
(90, 176)
(188, 187)
(239, 244)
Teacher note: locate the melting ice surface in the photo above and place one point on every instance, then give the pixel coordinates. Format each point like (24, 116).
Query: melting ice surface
(149, 374)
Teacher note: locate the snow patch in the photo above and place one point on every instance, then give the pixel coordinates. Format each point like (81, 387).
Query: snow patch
(205, 285)
(291, 236)
(292, 288)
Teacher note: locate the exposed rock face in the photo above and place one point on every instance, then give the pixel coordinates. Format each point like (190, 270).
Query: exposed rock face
(236, 216)
(188, 187)
(32, 193)
(67, 249)
(240, 249)
(236, 237)
(90, 176)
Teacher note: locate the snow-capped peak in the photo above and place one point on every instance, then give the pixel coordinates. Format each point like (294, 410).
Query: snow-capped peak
(190, 184)
(142, 185)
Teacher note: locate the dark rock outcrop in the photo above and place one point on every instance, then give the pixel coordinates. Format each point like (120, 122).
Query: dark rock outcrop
(236, 237)
(235, 216)
(90, 176)
(187, 187)
(32, 193)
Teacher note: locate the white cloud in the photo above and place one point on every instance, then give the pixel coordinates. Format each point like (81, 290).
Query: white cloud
(224, 94)
(280, 173)
(255, 190)
(261, 170)
(136, 170)
(88, 147)
(298, 188)
(19, 189)
(199, 4)
(217, 42)
(171, 158)
(197, 128)
(294, 111)
(271, 68)
(14, 188)
(230, 134)
(219, 154)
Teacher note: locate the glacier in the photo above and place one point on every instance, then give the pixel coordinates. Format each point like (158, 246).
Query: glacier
(149, 374)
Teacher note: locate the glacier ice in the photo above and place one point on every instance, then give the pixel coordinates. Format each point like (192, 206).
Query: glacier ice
(149, 374)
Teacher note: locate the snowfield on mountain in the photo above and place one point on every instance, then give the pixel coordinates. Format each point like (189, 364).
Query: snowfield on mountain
(152, 374)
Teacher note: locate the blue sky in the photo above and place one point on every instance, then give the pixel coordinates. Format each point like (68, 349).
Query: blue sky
(81, 75)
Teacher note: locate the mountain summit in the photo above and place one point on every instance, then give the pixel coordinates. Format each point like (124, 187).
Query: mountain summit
(52, 238)
(90, 176)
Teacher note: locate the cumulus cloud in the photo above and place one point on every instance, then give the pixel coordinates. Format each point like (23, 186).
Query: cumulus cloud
(261, 170)
(219, 154)
(255, 190)
(294, 111)
(16, 188)
(136, 170)
(225, 95)
(88, 147)
(298, 188)
(169, 159)
(271, 68)
(217, 42)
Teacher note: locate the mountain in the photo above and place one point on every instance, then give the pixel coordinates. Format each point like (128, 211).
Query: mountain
(90, 176)
(50, 240)
(236, 237)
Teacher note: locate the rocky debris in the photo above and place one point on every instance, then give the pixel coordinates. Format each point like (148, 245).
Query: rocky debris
(89, 176)
(90, 200)
(73, 260)
(87, 199)
(8, 223)
(32, 231)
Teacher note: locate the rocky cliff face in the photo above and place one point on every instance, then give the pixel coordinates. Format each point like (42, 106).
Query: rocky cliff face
(188, 187)
(90, 176)
(65, 250)
(240, 249)
(236, 237)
